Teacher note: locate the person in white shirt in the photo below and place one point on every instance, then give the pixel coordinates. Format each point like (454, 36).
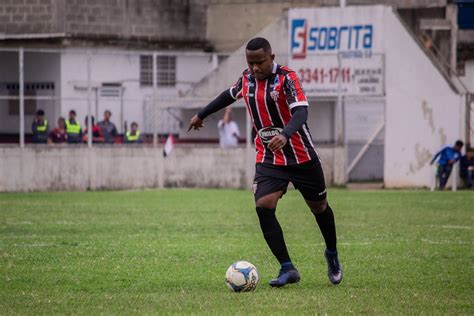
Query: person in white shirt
(228, 131)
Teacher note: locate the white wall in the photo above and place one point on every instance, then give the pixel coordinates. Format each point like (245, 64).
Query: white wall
(123, 66)
(422, 112)
(468, 78)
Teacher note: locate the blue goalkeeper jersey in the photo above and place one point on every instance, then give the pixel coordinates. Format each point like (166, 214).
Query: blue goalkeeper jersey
(446, 154)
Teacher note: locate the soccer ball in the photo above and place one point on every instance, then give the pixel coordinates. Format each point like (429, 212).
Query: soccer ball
(242, 276)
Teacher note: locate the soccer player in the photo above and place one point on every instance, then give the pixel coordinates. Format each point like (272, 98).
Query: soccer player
(285, 152)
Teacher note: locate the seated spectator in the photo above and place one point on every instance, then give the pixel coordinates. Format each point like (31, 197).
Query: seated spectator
(467, 168)
(108, 128)
(73, 129)
(40, 128)
(133, 136)
(97, 136)
(58, 135)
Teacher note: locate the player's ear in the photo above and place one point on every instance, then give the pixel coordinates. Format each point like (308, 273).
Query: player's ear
(272, 56)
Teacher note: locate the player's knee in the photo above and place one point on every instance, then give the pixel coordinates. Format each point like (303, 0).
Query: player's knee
(317, 207)
(266, 202)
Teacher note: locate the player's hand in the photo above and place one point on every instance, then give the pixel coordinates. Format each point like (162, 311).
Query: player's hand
(195, 123)
(277, 142)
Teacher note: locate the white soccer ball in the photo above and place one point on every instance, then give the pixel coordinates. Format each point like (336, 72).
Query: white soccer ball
(242, 276)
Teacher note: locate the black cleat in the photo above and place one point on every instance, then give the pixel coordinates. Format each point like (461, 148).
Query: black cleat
(334, 267)
(285, 277)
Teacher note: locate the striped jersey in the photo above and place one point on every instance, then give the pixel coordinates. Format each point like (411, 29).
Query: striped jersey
(269, 103)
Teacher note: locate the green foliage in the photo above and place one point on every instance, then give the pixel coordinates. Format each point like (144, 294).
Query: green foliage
(403, 252)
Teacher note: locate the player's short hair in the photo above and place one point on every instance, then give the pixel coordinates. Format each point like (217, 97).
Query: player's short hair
(459, 143)
(259, 43)
(40, 113)
(108, 112)
(72, 112)
(134, 123)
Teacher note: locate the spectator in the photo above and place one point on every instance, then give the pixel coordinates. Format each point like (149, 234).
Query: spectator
(448, 156)
(97, 136)
(73, 129)
(108, 128)
(133, 136)
(40, 128)
(467, 167)
(58, 134)
(228, 131)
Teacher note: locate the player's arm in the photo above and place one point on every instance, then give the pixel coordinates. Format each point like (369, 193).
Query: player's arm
(298, 118)
(223, 100)
(298, 104)
(436, 156)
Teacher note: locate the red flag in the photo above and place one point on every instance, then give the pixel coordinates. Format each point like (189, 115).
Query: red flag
(169, 146)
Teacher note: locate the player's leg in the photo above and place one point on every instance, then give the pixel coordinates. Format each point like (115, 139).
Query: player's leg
(268, 191)
(444, 173)
(309, 180)
(271, 229)
(469, 178)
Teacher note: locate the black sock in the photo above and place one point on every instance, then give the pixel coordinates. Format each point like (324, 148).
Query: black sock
(273, 234)
(327, 226)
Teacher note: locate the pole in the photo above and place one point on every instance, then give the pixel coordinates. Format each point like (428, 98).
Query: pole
(155, 110)
(89, 101)
(22, 97)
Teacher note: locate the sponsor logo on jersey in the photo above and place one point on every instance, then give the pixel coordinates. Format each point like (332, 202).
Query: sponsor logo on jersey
(267, 133)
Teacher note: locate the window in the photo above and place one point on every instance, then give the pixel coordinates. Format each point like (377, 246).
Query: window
(110, 90)
(146, 70)
(165, 74)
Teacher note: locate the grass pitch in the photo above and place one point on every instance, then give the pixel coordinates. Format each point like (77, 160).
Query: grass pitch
(403, 252)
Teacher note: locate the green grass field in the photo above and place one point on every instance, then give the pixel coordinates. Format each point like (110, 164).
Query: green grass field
(167, 252)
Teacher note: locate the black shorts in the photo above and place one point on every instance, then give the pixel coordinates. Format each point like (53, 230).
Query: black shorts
(308, 178)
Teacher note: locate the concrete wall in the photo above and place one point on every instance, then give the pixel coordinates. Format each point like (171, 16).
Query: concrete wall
(227, 32)
(42, 168)
(423, 113)
(167, 21)
(30, 16)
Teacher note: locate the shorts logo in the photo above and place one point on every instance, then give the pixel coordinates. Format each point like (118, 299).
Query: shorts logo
(267, 133)
(321, 193)
(254, 187)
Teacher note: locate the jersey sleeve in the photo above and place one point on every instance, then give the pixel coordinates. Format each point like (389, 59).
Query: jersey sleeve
(294, 93)
(236, 90)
